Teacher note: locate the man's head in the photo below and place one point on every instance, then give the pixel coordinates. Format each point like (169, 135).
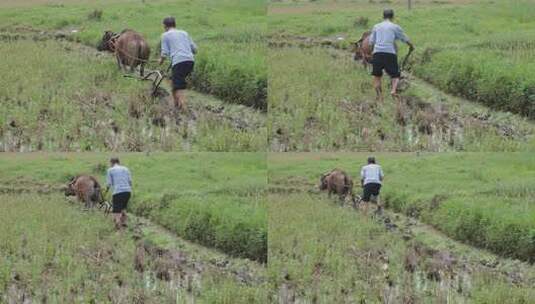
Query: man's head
(388, 14)
(371, 160)
(114, 161)
(169, 22)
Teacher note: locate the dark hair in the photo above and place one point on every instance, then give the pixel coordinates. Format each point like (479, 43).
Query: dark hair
(371, 160)
(114, 160)
(388, 13)
(169, 22)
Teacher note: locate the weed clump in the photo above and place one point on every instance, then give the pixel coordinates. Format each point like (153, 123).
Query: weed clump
(95, 15)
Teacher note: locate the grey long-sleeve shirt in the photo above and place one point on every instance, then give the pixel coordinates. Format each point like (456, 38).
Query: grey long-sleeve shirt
(119, 179)
(384, 36)
(372, 173)
(178, 45)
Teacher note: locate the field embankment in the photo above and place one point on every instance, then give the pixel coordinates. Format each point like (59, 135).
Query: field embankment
(230, 34)
(214, 199)
(45, 240)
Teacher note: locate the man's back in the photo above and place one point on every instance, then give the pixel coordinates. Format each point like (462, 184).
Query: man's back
(118, 177)
(371, 173)
(178, 45)
(384, 36)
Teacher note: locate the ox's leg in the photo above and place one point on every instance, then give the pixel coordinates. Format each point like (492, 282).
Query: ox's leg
(119, 63)
(142, 69)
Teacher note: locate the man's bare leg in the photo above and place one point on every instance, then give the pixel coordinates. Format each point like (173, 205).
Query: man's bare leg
(179, 97)
(123, 218)
(378, 88)
(365, 208)
(117, 220)
(395, 83)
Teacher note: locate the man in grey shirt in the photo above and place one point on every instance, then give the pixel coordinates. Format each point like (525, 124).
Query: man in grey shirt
(118, 178)
(383, 38)
(180, 49)
(371, 180)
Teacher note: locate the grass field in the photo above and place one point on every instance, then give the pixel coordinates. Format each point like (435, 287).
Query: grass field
(477, 50)
(65, 96)
(484, 199)
(231, 60)
(55, 253)
(214, 199)
(321, 252)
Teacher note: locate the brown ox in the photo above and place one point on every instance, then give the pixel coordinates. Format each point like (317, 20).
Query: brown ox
(338, 182)
(363, 50)
(87, 189)
(130, 48)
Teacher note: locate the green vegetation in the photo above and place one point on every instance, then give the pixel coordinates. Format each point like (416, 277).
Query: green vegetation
(483, 199)
(65, 96)
(53, 252)
(321, 252)
(215, 199)
(320, 100)
(229, 34)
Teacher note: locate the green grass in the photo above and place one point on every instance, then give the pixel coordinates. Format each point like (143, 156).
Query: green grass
(476, 50)
(483, 199)
(214, 199)
(229, 34)
(62, 97)
(322, 253)
(53, 252)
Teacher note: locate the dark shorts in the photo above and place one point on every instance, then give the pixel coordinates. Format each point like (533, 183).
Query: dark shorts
(387, 62)
(369, 190)
(119, 201)
(181, 71)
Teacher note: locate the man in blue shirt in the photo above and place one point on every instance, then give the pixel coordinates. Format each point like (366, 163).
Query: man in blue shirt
(371, 180)
(383, 38)
(118, 178)
(180, 49)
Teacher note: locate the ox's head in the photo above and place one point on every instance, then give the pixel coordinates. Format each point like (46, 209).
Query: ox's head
(69, 188)
(323, 181)
(107, 43)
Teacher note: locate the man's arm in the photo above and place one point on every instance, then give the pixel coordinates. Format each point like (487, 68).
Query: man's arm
(193, 46)
(109, 181)
(381, 175)
(373, 37)
(400, 35)
(165, 51)
(129, 178)
(362, 177)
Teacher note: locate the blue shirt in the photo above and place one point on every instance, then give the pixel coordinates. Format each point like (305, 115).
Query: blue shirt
(384, 36)
(177, 45)
(372, 173)
(118, 178)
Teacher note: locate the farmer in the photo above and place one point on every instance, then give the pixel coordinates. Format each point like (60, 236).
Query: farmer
(178, 46)
(118, 178)
(383, 38)
(371, 181)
